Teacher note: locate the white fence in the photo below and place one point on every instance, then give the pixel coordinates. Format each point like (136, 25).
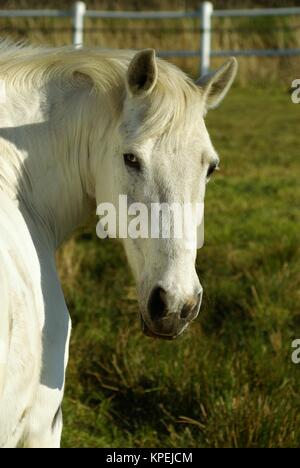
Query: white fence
(205, 14)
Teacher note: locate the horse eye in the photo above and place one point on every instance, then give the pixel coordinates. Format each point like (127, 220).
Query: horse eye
(211, 170)
(132, 161)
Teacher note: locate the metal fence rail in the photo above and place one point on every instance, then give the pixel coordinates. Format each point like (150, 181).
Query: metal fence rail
(205, 14)
(34, 13)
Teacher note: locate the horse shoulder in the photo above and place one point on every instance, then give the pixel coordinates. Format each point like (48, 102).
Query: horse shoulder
(21, 306)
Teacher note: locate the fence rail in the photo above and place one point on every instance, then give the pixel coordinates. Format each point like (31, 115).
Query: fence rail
(205, 14)
(34, 13)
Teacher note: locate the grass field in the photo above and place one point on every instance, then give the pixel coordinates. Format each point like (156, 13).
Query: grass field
(229, 380)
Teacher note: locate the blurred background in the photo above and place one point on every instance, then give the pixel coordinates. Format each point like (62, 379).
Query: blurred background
(229, 381)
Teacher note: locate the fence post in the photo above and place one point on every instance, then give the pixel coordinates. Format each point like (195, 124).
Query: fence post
(79, 9)
(206, 10)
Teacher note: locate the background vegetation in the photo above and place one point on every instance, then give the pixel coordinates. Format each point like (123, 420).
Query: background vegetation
(229, 381)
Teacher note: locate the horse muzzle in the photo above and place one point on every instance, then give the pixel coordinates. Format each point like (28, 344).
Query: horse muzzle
(162, 321)
(146, 330)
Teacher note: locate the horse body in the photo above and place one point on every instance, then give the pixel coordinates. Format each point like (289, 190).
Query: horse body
(35, 324)
(35, 329)
(68, 116)
(21, 306)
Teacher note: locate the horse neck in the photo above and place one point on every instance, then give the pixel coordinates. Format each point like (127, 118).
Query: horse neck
(48, 170)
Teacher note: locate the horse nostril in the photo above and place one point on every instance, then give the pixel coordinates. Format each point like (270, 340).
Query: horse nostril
(190, 309)
(157, 305)
(185, 311)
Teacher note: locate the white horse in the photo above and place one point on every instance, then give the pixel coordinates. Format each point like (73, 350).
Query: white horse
(80, 127)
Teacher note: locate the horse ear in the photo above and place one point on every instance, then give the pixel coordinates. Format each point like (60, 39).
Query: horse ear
(142, 73)
(215, 85)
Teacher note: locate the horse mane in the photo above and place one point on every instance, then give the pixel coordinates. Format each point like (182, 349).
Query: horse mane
(170, 104)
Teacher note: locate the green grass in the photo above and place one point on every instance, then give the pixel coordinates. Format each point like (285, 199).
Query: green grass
(229, 380)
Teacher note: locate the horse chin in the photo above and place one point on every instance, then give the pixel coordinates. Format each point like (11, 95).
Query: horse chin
(146, 330)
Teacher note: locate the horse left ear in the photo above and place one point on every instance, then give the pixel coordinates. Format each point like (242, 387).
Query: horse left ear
(215, 85)
(142, 73)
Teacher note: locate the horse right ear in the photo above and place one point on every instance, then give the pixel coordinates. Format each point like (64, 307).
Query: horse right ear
(142, 73)
(215, 85)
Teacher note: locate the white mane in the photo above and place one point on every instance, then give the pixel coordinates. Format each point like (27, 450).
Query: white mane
(172, 100)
